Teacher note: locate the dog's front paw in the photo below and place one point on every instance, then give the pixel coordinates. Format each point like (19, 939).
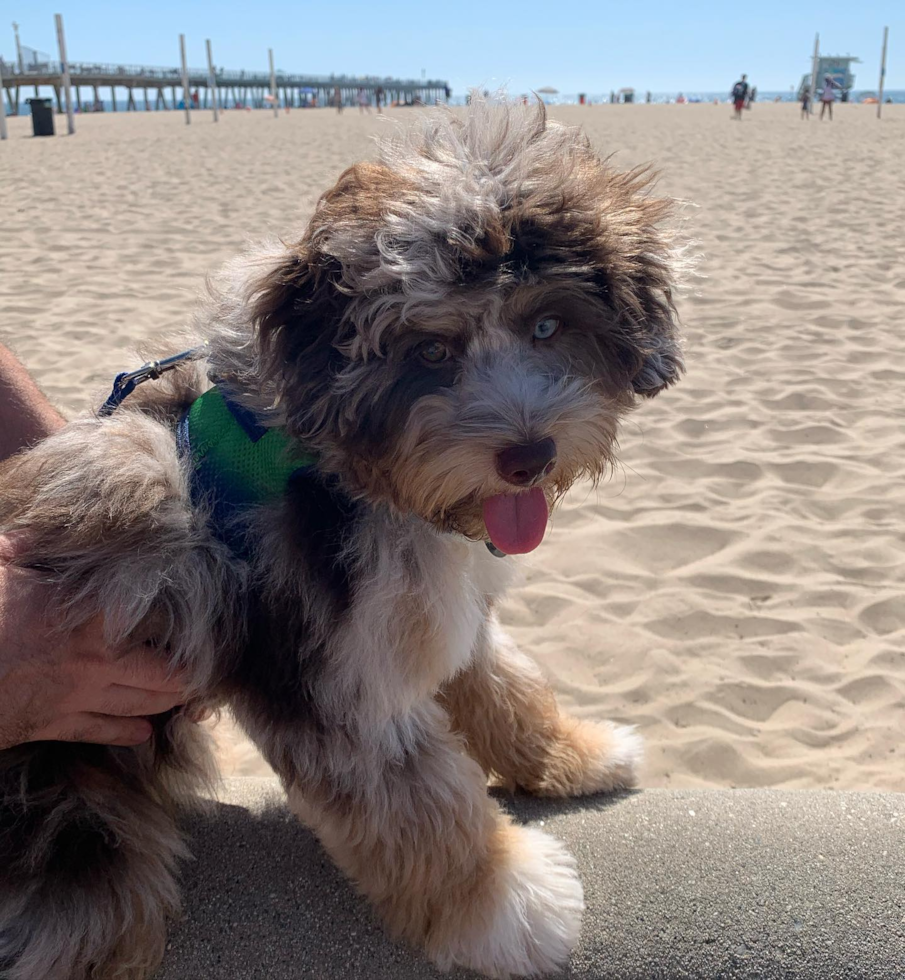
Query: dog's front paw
(533, 913)
(611, 756)
(588, 757)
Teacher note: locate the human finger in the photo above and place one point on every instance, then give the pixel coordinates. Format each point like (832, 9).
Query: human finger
(124, 701)
(98, 729)
(87, 642)
(141, 668)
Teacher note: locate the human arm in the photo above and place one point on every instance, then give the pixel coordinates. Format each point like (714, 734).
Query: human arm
(26, 416)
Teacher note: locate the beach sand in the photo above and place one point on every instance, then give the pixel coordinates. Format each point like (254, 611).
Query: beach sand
(737, 590)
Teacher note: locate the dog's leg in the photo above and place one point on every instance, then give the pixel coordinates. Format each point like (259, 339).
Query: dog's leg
(513, 727)
(406, 815)
(88, 852)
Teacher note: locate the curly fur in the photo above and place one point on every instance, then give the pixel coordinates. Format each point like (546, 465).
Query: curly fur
(357, 645)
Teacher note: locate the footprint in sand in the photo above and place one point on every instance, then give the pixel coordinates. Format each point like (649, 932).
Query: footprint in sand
(785, 299)
(886, 616)
(806, 473)
(700, 625)
(664, 547)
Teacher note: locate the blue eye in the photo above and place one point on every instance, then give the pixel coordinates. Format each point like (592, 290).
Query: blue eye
(544, 329)
(433, 352)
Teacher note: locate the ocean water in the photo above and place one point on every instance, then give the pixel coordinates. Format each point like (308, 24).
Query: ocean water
(664, 98)
(659, 98)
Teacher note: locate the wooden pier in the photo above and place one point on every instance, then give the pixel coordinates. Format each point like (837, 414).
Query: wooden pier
(233, 88)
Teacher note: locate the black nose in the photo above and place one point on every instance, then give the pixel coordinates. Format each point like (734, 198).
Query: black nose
(522, 465)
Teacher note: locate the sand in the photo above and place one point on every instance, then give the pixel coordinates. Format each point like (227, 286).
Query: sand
(736, 590)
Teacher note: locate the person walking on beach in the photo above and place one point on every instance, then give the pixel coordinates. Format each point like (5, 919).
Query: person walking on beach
(828, 96)
(338, 100)
(364, 102)
(806, 104)
(739, 95)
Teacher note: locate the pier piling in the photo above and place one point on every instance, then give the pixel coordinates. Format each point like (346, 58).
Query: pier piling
(273, 86)
(64, 70)
(213, 80)
(3, 133)
(185, 81)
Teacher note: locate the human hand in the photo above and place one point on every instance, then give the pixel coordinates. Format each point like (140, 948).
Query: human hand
(70, 686)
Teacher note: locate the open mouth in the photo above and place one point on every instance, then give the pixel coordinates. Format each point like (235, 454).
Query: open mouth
(517, 522)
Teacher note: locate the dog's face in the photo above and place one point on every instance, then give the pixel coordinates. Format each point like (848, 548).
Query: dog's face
(463, 324)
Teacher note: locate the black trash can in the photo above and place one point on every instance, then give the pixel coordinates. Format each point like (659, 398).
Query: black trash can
(41, 116)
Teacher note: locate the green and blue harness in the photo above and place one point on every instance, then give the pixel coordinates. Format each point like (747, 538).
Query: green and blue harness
(237, 463)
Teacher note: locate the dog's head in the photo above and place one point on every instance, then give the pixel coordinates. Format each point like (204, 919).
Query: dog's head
(464, 322)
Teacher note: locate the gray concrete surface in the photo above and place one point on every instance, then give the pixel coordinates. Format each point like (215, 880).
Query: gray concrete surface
(686, 885)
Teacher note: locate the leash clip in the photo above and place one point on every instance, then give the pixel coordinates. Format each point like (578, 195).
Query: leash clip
(127, 381)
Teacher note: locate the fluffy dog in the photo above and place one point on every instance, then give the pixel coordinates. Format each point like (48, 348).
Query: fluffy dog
(452, 341)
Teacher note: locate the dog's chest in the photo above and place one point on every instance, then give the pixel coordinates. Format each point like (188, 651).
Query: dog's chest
(417, 622)
(455, 598)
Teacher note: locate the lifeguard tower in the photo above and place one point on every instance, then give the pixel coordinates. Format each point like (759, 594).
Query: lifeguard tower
(838, 67)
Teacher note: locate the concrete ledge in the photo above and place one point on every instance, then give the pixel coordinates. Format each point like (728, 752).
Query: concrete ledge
(686, 885)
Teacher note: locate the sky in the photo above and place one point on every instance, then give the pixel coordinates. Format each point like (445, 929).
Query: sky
(577, 46)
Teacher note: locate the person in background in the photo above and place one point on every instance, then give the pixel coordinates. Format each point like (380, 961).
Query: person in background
(364, 102)
(338, 100)
(828, 96)
(56, 686)
(739, 95)
(806, 104)
(378, 98)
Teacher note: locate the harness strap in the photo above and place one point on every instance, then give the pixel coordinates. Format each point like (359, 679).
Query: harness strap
(236, 462)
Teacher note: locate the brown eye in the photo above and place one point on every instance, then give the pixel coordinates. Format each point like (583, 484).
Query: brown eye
(433, 352)
(544, 329)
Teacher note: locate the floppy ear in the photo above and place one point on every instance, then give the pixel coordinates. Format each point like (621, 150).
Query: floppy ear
(300, 301)
(636, 256)
(298, 304)
(661, 360)
(296, 311)
(296, 307)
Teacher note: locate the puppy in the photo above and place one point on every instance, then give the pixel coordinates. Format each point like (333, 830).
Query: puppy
(448, 347)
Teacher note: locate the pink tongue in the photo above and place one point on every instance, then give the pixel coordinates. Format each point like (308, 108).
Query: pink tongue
(516, 522)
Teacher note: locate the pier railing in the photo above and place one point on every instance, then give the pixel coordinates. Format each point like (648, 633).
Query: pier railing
(138, 74)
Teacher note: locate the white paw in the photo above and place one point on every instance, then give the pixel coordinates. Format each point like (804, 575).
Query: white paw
(614, 761)
(534, 923)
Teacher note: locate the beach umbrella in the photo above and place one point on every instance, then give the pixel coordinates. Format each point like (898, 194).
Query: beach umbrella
(548, 90)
